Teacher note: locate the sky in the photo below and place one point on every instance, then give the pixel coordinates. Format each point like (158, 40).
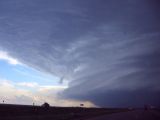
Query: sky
(103, 53)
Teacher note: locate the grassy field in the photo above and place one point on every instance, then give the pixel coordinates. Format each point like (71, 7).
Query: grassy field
(26, 112)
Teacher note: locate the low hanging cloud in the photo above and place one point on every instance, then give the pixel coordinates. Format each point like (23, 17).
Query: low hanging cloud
(108, 50)
(29, 93)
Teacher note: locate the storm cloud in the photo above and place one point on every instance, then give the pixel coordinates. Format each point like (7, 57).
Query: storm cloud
(108, 50)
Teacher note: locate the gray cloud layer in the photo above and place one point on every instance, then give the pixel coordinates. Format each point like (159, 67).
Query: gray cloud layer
(108, 50)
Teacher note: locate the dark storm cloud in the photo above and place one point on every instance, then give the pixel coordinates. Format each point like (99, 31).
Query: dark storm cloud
(106, 49)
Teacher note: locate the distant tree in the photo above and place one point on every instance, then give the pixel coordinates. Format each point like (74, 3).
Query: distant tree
(81, 105)
(46, 105)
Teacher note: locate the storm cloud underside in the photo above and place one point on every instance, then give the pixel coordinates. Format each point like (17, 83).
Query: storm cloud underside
(108, 50)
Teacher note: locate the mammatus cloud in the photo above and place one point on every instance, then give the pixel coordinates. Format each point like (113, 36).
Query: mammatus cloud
(108, 50)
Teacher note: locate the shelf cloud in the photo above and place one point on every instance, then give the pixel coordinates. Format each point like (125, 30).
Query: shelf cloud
(108, 50)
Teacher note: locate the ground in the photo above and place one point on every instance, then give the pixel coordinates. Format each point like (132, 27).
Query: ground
(26, 112)
(131, 115)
